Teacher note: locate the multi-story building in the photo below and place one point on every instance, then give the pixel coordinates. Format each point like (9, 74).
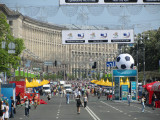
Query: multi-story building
(43, 44)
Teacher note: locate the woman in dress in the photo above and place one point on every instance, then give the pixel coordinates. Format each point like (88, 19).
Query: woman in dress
(6, 116)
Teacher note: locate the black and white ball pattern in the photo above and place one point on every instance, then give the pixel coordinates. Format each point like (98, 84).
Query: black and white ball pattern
(125, 61)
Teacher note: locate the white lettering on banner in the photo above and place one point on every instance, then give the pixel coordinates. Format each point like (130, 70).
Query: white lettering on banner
(109, 2)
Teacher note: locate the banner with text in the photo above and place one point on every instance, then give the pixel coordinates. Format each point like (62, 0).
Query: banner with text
(102, 2)
(97, 36)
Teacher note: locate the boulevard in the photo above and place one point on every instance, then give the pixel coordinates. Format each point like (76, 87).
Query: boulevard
(101, 109)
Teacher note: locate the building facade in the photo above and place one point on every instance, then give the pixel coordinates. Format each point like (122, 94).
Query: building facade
(43, 44)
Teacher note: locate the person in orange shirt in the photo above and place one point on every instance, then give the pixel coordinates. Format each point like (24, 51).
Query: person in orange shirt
(35, 101)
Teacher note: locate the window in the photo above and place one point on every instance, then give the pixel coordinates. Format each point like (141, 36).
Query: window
(10, 22)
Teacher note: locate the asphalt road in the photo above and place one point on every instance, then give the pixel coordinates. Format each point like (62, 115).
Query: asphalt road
(57, 109)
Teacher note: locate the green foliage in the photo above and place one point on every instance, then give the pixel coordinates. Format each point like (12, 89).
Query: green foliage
(7, 60)
(152, 51)
(4, 26)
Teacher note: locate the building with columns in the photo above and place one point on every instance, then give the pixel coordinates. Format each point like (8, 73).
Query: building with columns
(43, 42)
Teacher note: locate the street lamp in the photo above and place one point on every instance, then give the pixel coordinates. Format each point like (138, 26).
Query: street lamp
(143, 38)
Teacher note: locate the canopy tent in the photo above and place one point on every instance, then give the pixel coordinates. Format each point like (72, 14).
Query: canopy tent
(151, 88)
(125, 83)
(102, 82)
(35, 83)
(94, 81)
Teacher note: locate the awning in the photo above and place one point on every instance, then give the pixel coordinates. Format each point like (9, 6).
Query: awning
(156, 87)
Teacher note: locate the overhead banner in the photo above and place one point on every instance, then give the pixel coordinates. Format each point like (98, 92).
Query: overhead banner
(125, 73)
(97, 36)
(95, 2)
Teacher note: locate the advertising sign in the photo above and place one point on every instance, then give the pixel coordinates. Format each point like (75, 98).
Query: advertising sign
(133, 90)
(21, 71)
(17, 72)
(127, 73)
(124, 92)
(97, 36)
(117, 89)
(105, 2)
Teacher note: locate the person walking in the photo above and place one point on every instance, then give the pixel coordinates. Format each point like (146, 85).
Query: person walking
(129, 98)
(153, 101)
(12, 107)
(6, 116)
(85, 100)
(143, 105)
(107, 93)
(78, 103)
(67, 97)
(1, 110)
(27, 106)
(49, 96)
(35, 99)
(18, 99)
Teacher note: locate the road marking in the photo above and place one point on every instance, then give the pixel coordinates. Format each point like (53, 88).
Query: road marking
(94, 116)
(58, 112)
(135, 118)
(137, 107)
(111, 106)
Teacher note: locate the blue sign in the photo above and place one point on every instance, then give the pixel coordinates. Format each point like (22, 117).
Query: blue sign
(127, 73)
(133, 90)
(111, 64)
(124, 92)
(117, 89)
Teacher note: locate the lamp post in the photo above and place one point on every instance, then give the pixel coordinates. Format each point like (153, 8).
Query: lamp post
(143, 38)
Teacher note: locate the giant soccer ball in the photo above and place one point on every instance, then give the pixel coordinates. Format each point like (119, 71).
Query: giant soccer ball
(125, 61)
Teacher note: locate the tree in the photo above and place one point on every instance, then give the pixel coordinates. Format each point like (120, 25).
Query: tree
(7, 60)
(152, 51)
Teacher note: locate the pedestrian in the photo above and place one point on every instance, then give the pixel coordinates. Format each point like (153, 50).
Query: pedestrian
(153, 101)
(143, 105)
(12, 107)
(49, 96)
(67, 97)
(1, 110)
(35, 99)
(98, 94)
(129, 98)
(18, 99)
(79, 103)
(6, 116)
(85, 100)
(27, 107)
(107, 93)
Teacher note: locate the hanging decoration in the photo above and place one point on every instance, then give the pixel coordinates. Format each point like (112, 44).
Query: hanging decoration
(95, 10)
(69, 11)
(134, 9)
(115, 10)
(31, 11)
(153, 9)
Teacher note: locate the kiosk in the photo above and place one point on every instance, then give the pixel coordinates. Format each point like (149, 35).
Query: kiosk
(121, 90)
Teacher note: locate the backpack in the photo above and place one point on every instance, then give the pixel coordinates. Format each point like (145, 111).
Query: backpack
(79, 101)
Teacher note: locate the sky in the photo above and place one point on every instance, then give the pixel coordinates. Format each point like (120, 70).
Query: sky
(137, 17)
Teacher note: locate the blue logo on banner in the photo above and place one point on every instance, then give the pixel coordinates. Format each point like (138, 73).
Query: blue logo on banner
(111, 64)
